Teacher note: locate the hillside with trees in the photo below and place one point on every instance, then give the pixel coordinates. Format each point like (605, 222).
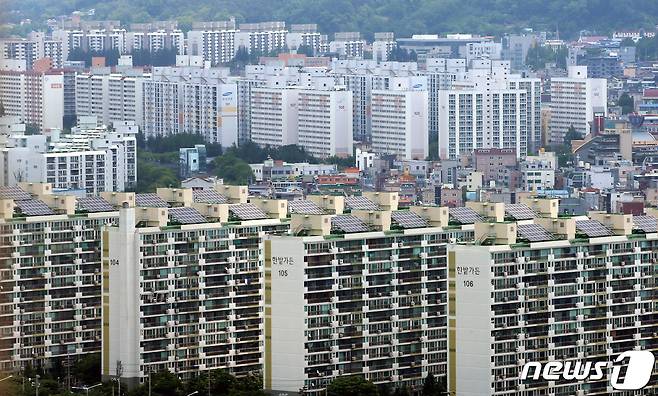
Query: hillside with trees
(404, 17)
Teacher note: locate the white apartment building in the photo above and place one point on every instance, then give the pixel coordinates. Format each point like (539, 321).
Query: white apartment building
(90, 159)
(37, 98)
(261, 38)
(185, 289)
(112, 97)
(574, 99)
(28, 50)
(50, 287)
(214, 41)
(348, 45)
(400, 120)
(315, 114)
(305, 35)
(274, 115)
(324, 120)
(361, 77)
(382, 46)
(360, 294)
(156, 40)
(549, 290)
(191, 100)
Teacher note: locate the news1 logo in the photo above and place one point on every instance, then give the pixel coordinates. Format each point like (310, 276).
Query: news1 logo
(638, 370)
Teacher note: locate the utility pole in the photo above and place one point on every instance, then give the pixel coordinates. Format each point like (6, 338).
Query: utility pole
(37, 384)
(149, 371)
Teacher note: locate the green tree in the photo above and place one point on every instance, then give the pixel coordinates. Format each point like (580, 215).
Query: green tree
(353, 385)
(626, 103)
(233, 169)
(434, 387)
(88, 369)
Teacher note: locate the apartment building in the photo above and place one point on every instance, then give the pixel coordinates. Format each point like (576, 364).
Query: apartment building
(399, 119)
(112, 97)
(214, 41)
(538, 288)
(23, 49)
(184, 284)
(314, 113)
(348, 45)
(50, 280)
(90, 159)
(155, 36)
(304, 35)
(574, 99)
(359, 293)
(261, 38)
(361, 77)
(191, 100)
(324, 120)
(383, 45)
(481, 118)
(36, 97)
(273, 116)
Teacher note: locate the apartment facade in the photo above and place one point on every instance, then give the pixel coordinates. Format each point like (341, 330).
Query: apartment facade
(574, 99)
(51, 283)
(36, 97)
(400, 121)
(361, 294)
(549, 289)
(191, 100)
(90, 160)
(191, 289)
(214, 41)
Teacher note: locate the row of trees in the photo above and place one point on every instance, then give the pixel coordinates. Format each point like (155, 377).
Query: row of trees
(157, 159)
(404, 17)
(215, 383)
(163, 57)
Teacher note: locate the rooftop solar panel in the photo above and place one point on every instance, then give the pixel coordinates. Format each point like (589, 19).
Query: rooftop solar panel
(533, 233)
(247, 211)
(94, 204)
(464, 215)
(34, 207)
(408, 219)
(360, 202)
(592, 228)
(14, 192)
(150, 200)
(520, 211)
(209, 197)
(348, 224)
(645, 223)
(302, 206)
(186, 215)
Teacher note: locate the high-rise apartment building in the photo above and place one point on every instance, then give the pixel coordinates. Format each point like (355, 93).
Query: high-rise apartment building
(261, 38)
(360, 293)
(574, 99)
(400, 120)
(184, 284)
(304, 35)
(273, 116)
(348, 45)
(316, 115)
(324, 120)
(214, 41)
(191, 100)
(50, 295)
(112, 97)
(90, 159)
(541, 288)
(36, 97)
